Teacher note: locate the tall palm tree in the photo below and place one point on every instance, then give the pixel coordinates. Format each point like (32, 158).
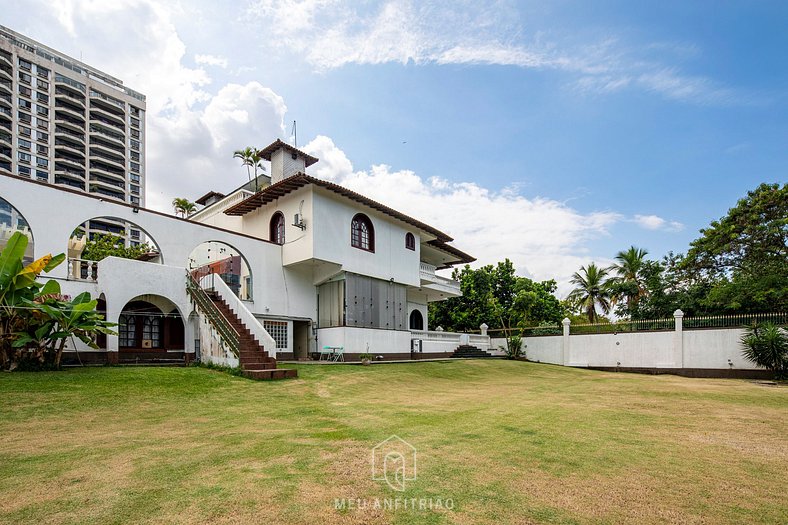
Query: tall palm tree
(252, 159)
(628, 270)
(183, 207)
(591, 289)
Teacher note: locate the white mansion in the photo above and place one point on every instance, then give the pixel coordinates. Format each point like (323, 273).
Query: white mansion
(282, 272)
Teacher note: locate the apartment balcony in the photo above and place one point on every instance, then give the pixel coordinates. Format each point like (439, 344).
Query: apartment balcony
(114, 137)
(100, 168)
(6, 138)
(101, 115)
(5, 167)
(69, 162)
(6, 59)
(5, 152)
(109, 182)
(5, 87)
(112, 160)
(65, 181)
(107, 105)
(106, 192)
(65, 119)
(431, 281)
(69, 173)
(6, 74)
(62, 94)
(69, 146)
(6, 111)
(72, 135)
(6, 100)
(78, 117)
(109, 147)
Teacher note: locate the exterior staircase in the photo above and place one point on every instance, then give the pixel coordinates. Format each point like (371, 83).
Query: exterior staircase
(468, 351)
(254, 361)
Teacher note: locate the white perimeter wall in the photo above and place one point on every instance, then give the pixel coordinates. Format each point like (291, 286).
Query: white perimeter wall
(707, 348)
(355, 340)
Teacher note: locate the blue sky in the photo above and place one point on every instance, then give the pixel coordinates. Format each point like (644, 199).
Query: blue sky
(554, 133)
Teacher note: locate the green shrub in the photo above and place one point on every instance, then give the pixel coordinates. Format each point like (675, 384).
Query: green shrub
(766, 345)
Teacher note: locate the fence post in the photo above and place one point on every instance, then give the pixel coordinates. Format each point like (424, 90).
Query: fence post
(565, 342)
(483, 328)
(678, 340)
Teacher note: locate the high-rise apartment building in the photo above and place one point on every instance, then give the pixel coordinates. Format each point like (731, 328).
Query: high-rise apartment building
(66, 123)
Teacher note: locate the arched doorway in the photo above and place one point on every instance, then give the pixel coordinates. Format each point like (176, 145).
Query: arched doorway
(222, 260)
(102, 237)
(150, 328)
(416, 320)
(12, 221)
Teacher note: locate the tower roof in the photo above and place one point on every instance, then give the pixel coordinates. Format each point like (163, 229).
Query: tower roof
(280, 144)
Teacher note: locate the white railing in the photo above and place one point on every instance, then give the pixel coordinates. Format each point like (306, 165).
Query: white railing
(214, 282)
(427, 270)
(82, 270)
(439, 341)
(225, 203)
(426, 335)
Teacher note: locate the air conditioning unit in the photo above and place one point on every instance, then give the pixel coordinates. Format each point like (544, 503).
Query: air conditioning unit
(298, 221)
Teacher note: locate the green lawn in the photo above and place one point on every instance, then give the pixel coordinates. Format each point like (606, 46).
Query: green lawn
(508, 442)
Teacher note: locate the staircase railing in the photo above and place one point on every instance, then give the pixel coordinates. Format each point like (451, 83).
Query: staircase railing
(211, 311)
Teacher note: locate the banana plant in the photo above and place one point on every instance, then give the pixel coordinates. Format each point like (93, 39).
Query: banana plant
(36, 320)
(17, 284)
(55, 320)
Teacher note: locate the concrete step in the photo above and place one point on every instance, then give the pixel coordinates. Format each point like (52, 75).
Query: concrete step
(276, 373)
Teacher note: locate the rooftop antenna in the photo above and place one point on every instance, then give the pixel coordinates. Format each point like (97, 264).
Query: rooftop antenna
(294, 133)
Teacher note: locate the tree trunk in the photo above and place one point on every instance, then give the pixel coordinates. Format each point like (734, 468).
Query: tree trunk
(59, 353)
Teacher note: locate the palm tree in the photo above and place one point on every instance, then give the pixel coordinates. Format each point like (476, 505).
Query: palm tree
(183, 207)
(591, 289)
(628, 271)
(252, 159)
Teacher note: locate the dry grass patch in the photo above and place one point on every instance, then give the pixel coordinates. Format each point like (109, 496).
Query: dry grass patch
(508, 442)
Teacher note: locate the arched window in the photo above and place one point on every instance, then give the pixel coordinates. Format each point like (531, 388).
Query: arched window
(416, 320)
(362, 234)
(410, 241)
(278, 228)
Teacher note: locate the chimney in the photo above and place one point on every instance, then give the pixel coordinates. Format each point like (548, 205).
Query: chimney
(286, 160)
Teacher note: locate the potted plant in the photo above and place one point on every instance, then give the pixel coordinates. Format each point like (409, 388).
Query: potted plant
(366, 358)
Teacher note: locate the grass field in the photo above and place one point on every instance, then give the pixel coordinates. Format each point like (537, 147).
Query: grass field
(507, 442)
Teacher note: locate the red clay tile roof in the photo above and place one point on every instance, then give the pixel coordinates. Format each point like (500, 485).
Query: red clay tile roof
(299, 180)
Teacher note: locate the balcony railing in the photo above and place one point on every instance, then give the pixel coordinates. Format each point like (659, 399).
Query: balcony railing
(427, 270)
(82, 270)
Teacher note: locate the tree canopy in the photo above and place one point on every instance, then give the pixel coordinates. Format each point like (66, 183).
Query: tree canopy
(102, 246)
(494, 295)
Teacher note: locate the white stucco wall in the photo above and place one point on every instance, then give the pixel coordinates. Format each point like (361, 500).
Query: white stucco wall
(707, 348)
(284, 292)
(355, 340)
(391, 260)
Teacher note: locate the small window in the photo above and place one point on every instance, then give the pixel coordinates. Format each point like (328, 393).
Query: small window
(362, 233)
(278, 228)
(416, 320)
(410, 241)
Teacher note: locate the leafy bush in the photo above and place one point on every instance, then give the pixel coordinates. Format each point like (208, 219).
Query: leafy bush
(766, 345)
(514, 346)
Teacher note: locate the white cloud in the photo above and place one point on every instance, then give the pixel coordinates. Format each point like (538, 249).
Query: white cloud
(211, 60)
(330, 34)
(544, 238)
(655, 222)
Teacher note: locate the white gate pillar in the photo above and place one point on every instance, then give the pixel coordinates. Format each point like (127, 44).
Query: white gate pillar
(678, 340)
